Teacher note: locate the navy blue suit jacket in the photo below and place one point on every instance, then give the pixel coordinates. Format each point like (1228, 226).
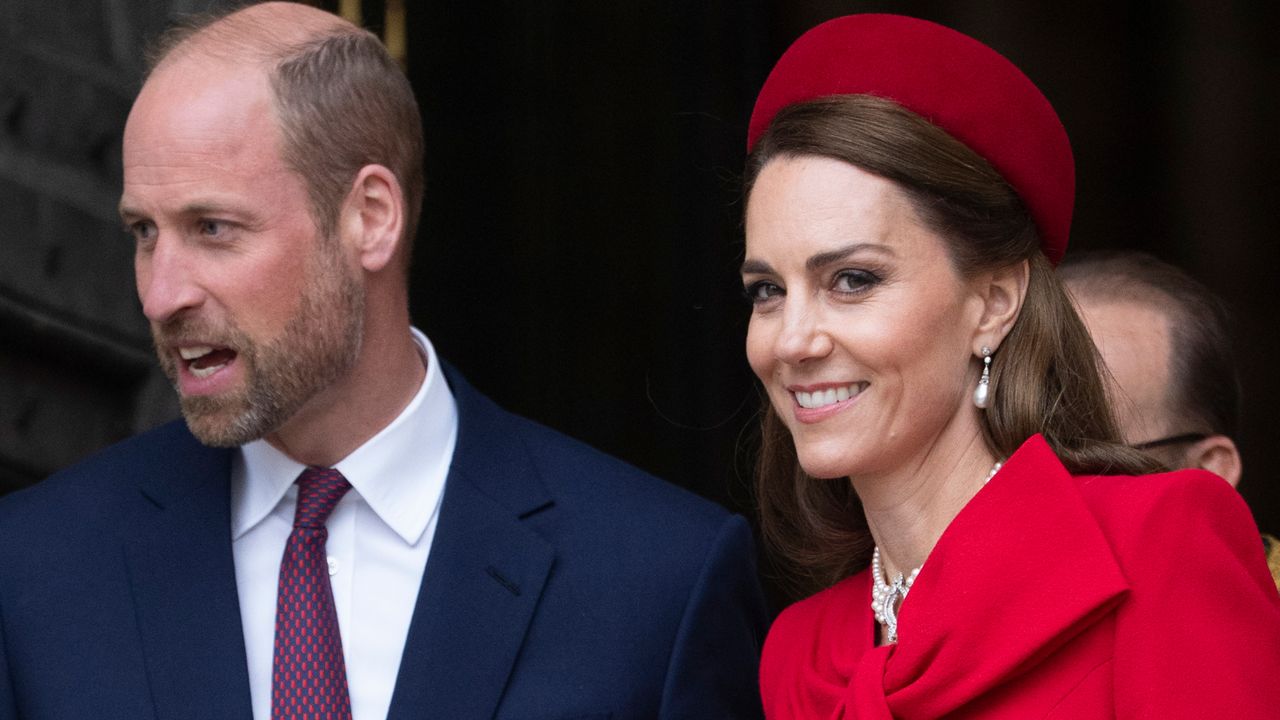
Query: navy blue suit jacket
(561, 584)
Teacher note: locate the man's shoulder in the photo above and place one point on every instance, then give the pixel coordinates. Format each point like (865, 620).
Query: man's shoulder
(97, 486)
(611, 524)
(575, 474)
(578, 474)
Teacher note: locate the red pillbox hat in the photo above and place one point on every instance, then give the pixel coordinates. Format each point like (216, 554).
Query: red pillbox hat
(957, 83)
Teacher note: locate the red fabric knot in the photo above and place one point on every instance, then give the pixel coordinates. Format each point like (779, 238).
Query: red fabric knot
(309, 675)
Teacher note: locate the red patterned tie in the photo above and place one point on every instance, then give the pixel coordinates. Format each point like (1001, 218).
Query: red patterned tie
(309, 677)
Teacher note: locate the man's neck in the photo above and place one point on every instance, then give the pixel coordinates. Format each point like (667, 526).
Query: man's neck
(348, 413)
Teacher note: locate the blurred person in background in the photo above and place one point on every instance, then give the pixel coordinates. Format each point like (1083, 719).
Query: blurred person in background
(1165, 338)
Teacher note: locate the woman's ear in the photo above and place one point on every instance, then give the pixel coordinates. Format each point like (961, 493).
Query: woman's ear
(1001, 292)
(373, 215)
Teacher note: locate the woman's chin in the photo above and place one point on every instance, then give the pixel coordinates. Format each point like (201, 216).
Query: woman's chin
(826, 468)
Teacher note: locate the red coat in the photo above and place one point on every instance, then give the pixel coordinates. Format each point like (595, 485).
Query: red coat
(1052, 596)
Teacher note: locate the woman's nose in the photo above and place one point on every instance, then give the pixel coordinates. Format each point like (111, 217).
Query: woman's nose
(802, 336)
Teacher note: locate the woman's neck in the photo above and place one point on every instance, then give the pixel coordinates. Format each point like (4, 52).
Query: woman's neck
(909, 507)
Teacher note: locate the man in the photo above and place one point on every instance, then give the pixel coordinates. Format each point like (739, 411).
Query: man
(1163, 337)
(436, 557)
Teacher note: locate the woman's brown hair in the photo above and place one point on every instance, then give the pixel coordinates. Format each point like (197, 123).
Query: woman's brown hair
(1046, 375)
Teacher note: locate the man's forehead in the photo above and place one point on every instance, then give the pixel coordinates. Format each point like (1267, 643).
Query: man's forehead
(188, 100)
(1135, 341)
(1136, 326)
(197, 126)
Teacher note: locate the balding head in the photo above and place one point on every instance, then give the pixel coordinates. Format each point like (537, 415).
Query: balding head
(1164, 337)
(264, 33)
(1203, 388)
(340, 100)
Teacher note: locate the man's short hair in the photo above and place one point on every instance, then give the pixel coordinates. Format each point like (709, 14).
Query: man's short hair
(1205, 384)
(342, 102)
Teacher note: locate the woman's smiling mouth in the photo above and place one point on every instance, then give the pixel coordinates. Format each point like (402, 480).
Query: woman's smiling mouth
(816, 399)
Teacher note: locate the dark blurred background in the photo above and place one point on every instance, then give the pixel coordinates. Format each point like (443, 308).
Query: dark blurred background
(580, 240)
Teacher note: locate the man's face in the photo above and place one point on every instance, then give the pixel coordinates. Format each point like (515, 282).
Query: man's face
(253, 313)
(1134, 340)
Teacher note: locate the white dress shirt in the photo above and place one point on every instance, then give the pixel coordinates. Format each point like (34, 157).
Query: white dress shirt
(379, 536)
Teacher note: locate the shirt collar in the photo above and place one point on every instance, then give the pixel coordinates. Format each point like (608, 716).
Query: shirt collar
(400, 472)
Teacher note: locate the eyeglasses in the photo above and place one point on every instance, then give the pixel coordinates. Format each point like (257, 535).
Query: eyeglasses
(1182, 439)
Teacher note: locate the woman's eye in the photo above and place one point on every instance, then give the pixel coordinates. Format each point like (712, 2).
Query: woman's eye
(855, 281)
(762, 291)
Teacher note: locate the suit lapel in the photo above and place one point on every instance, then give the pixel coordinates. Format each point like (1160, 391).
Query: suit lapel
(485, 574)
(183, 578)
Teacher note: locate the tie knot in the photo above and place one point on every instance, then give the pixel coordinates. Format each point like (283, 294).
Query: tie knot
(319, 490)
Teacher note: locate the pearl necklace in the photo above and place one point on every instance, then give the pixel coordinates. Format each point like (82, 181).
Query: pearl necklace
(887, 597)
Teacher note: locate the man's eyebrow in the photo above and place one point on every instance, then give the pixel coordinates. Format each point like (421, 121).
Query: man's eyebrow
(128, 212)
(759, 267)
(197, 209)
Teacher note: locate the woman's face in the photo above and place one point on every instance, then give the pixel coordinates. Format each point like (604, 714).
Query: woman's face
(861, 331)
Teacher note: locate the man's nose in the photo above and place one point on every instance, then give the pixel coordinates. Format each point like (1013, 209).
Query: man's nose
(168, 283)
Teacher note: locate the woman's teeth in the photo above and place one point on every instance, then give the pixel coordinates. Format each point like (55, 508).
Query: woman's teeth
(823, 398)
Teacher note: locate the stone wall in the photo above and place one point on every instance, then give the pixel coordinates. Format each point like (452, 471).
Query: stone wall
(76, 368)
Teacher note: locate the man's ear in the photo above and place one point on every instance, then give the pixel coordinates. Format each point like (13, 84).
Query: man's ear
(1001, 293)
(372, 220)
(1218, 455)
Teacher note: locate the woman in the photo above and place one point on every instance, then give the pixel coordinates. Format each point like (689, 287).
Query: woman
(937, 438)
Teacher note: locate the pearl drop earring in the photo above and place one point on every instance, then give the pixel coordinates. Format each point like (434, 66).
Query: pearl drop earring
(982, 395)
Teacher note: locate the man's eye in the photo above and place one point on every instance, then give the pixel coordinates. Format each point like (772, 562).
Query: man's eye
(143, 231)
(212, 228)
(762, 291)
(855, 281)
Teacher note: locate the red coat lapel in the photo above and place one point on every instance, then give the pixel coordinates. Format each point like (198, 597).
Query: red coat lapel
(1022, 569)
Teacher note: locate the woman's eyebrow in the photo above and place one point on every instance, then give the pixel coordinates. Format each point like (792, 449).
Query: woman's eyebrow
(833, 256)
(760, 267)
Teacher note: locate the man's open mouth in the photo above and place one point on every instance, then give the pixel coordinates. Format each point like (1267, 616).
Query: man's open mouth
(204, 360)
